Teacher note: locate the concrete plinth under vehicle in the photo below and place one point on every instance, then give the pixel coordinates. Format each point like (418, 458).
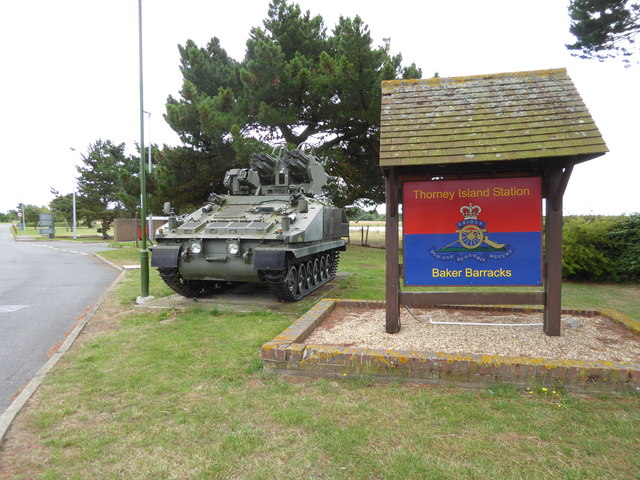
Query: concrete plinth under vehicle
(244, 298)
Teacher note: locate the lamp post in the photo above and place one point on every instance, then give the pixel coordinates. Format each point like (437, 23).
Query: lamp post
(149, 135)
(73, 196)
(150, 214)
(144, 255)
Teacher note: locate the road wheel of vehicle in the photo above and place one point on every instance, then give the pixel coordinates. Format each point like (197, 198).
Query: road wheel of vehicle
(327, 264)
(302, 279)
(310, 278)
(322, 269)
(292, 280)
(316, 271)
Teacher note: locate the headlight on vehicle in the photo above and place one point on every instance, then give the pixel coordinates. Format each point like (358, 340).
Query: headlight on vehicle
(233, 248)
(195, 247)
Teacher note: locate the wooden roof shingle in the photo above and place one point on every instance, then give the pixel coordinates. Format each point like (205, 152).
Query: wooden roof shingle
(486, 118)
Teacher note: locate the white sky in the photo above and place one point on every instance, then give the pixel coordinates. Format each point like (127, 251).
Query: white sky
(69, 76)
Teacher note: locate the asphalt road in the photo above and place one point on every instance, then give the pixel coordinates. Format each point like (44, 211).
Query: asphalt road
(45, 289)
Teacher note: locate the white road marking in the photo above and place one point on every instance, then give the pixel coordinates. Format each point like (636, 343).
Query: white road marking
(55, 248)
(11, 308)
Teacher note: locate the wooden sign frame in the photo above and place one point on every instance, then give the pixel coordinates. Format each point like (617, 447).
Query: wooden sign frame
(488, 126)
(554, 182)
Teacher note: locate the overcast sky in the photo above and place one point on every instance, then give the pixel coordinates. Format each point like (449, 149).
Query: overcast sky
(70, 76)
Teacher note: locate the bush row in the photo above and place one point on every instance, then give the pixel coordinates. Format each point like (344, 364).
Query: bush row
(601, 249)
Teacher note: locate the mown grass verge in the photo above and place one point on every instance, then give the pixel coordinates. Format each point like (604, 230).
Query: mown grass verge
(85, 234)
(183, 395)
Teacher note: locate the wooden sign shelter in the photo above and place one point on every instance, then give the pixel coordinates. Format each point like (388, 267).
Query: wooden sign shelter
(503, 126)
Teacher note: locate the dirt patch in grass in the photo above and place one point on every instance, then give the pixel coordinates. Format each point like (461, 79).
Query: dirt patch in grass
(106, 318)
(22, 452)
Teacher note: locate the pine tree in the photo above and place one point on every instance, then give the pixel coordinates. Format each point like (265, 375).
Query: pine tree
(297, 85)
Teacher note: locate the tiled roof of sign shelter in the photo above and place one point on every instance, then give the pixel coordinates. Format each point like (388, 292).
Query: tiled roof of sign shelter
(486, 118)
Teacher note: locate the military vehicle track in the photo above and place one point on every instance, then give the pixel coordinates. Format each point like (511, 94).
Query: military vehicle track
(191, 288)
(302, 276)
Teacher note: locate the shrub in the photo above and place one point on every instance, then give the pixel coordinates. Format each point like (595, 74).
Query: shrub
(624, 240)
(586, 248)
(600, 248)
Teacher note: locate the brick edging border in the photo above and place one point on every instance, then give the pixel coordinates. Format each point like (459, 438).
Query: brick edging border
(287, 353)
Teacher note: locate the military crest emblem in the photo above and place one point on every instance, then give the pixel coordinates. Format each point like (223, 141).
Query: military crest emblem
(473, 240)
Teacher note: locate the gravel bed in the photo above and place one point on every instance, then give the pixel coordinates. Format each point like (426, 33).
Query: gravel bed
(582, 338)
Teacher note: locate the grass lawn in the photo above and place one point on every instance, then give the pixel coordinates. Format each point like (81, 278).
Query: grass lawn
(182, 395)
(87, 234)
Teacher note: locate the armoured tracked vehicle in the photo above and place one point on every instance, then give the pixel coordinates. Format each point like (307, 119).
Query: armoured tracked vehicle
(269, 229)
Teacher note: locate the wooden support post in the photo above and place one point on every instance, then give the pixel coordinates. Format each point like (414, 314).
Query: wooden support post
(553, 251)
(391, 241)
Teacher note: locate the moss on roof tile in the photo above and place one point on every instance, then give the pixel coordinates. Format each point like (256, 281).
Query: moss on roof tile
(497, 117)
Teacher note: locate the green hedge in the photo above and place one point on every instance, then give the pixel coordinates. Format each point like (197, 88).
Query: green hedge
(599, 248)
